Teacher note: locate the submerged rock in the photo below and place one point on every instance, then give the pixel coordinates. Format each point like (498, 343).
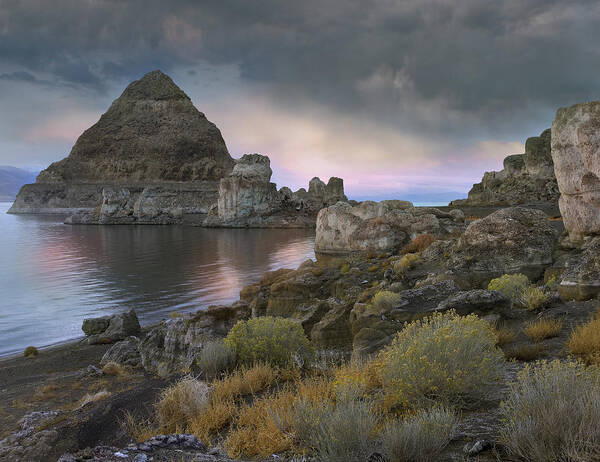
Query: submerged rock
(576, 154)
(512, 240)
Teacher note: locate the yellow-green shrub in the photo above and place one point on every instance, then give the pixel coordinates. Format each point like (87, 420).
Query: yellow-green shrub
(512, 286)
(277, 341)
(446, 358)
(534, 298)
(30, 352)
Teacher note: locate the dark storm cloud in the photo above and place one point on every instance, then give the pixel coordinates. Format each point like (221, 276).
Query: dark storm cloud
(429, 65)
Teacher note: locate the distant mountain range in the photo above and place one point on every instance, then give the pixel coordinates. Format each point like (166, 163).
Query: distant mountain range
(11, 180)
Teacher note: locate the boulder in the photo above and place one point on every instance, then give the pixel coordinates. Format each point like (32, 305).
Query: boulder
(581, 278)
(379, 226)
(174, 345)
(576, 154)
(109, 329)
(511, 240)
(374, 326)
(125, 352)
(333, 331)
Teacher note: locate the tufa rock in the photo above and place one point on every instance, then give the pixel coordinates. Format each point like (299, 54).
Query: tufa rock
(526, 178)
(576, 154)
(379, 226)
(109, 329)
(125, 352)
(173, 345)
(151, 135)
(581, 278)
(374, 326)
(511, 240)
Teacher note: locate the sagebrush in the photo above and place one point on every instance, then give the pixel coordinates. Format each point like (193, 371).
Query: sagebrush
(445, 358)
(277, 341)
(552, 413)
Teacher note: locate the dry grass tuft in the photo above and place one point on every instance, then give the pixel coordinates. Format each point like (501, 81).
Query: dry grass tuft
(179, 403)
(112, 368)
(256, 432)
(406, 263)
(552, 414)
(527, 352)
(46, 392)
(214, 418)
(584, 341)
(505, 335)
(98, 396)
(244, 381)
(543, 329)
(419, 243)
(139, 429)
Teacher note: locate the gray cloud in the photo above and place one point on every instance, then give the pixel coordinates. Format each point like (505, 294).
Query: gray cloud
(461, 71)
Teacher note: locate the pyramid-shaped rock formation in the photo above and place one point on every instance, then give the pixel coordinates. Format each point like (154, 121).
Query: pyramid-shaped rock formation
(152, 132)
(151, 135)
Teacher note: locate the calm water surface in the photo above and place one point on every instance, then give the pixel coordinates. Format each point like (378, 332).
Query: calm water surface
(53, 275)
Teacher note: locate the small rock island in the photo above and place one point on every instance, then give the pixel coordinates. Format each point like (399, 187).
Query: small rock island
(153, 158)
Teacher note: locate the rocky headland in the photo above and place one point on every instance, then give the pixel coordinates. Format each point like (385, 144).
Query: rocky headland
(527, 178)
(153, 158)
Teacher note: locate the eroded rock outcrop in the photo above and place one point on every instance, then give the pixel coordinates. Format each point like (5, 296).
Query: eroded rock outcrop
(173, 345)
(511, 240)
(576, 154)
(247, 198)
(374, 325)
(151, 135)
(526, 178)
(379, 226)
(581, 278)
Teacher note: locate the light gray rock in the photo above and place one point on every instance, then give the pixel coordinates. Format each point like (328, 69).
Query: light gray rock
(378, 226)
(125, 352)
(576, 154)
(479, 301)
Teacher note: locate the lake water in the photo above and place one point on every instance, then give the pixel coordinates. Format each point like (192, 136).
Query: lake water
(52, 275)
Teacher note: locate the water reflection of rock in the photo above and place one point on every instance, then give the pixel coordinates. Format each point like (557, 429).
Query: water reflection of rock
(160, 269)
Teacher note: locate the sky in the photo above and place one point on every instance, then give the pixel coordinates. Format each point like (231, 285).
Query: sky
(410, 99)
